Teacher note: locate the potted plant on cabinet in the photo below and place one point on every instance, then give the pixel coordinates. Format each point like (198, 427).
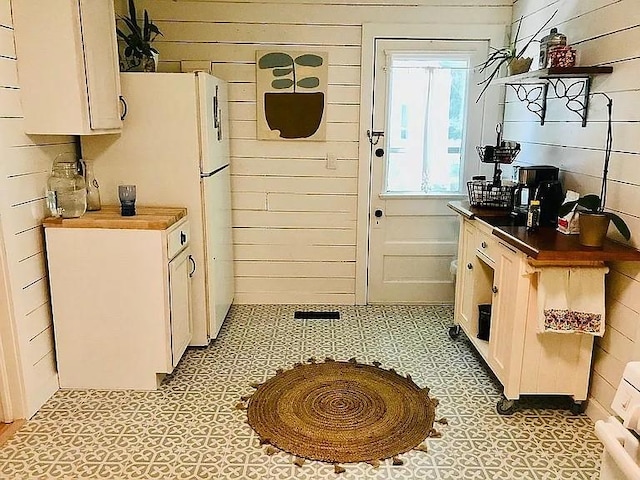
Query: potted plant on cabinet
(594, 220)
(138, 52)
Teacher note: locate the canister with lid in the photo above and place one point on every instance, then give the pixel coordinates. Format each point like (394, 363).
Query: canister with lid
(554, 39)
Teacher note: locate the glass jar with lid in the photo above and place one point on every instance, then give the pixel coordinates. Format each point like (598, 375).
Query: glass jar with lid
(66, 188)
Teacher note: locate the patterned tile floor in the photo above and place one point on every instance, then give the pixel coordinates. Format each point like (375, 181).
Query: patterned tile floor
(189, 429)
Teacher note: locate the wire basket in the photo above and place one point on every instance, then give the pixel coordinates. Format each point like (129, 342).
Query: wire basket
(502, 154)
(483, 193)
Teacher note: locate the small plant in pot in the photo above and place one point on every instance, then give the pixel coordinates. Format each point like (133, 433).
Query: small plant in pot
(509, 56)
(594, 221)
(138, 52)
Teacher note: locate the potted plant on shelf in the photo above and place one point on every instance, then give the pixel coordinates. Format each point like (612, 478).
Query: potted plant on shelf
(594, 220)
(138, 52)
(509, 56)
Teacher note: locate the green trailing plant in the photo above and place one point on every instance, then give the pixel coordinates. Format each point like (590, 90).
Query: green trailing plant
(138, 39)
(283, 68)
(505, 55)
(595, 204)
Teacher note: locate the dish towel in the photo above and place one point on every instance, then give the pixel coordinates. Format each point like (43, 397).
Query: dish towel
(571, 300)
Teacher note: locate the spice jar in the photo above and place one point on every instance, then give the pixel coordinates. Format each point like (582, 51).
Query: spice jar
(66, 189)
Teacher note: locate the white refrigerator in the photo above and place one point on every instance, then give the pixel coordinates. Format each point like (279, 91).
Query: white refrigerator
(174, 147)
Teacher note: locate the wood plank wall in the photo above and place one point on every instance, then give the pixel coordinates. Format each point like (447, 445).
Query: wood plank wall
(25, 162)
(605, 32)
(294, 219)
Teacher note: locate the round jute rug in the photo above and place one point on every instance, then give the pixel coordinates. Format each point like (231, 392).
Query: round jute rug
(342, 412)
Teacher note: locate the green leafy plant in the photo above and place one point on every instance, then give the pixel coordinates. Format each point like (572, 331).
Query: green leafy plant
(505, 55)
(139, 38)
(595, 203)
(284, 69)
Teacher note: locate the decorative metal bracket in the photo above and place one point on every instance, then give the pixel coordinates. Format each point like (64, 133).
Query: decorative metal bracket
(534, 95)
(576, 94)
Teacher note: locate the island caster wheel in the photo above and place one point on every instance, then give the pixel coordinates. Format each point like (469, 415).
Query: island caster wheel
(577, 407)
(505, 406)
(454, 331)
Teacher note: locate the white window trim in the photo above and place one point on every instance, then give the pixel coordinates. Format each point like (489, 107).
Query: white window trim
(495, 34)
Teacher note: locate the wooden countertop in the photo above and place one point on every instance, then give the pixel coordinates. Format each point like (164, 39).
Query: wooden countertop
(146, 218)
(547, 244)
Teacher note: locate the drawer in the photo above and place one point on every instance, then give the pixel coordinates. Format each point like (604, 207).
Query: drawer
(177, 239)
(486, 245)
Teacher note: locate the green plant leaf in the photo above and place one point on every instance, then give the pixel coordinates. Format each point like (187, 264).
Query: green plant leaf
(565, 208)
(275, 60)
(281, 72)
(146, 33)
(309, 60)
(590, 202)
(309, 82)
(282, 83)
(620, 225)
(132, 12)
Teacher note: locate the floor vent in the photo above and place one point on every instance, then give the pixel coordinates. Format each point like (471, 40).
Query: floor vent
(318, 315)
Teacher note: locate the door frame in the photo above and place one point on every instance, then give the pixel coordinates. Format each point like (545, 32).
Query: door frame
(495, 34)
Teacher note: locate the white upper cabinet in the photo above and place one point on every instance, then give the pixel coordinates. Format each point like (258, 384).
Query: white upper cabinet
(68, 66)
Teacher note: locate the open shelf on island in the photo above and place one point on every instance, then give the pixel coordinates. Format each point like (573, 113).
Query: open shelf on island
(532, 88)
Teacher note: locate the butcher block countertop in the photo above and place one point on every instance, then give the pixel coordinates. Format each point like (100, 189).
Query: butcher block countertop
(146, 218)
(546, 244)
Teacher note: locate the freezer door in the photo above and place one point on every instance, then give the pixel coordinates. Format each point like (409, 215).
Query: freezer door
(219, 247)
(214, 122)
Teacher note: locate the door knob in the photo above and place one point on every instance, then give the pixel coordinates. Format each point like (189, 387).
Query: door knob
(379, 152)
(494, 289)
(470, 266)
(378, 213)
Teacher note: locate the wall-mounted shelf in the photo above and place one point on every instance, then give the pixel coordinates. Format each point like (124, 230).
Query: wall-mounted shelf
(573, 84)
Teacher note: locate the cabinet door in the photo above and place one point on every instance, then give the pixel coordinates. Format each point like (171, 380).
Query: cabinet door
(101, 63)
(505, 311)
(180, 304)
(464, 304)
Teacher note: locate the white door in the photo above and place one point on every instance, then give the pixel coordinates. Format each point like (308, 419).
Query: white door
(212, 107)
(426, 125)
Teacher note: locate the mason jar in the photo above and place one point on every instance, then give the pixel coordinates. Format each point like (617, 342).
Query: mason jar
(67, 191)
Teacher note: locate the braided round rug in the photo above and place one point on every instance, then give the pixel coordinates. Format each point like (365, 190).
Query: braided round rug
(341, 412)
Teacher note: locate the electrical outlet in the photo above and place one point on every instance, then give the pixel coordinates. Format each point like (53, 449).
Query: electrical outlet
(332, 161)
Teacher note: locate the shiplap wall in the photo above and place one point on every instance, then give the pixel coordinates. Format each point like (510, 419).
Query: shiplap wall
(605, 32)
(25, 162)
(294, 219)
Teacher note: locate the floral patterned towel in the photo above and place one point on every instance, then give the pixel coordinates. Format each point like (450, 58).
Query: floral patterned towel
(574, 322)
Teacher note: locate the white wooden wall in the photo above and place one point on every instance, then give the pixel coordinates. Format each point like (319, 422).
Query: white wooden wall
(605, 32)
(294, 219)
(25, 162)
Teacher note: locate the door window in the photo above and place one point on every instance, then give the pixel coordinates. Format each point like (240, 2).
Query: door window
(426, 120)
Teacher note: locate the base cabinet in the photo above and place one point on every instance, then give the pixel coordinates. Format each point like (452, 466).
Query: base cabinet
(525, 360)
(121, 304)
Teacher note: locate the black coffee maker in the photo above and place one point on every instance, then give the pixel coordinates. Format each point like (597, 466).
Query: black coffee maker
(539, 182)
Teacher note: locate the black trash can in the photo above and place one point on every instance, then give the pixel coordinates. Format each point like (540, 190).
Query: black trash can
(484, 321)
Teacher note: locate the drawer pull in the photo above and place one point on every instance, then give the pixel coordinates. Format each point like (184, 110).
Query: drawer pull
(183, 238)
(470, 266)
(494, 289)
(193, 263)
(483, 244)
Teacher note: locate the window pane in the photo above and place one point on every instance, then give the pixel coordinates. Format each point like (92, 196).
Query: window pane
(426, 118)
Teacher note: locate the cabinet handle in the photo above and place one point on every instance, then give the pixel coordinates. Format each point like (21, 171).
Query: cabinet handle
(124, 107)
(183, 238)
(483, 244)
(470, 266)
(193, 263)
(494, 289)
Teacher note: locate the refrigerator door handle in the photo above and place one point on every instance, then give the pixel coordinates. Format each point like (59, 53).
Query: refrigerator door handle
(216, 110)
(209, 174)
